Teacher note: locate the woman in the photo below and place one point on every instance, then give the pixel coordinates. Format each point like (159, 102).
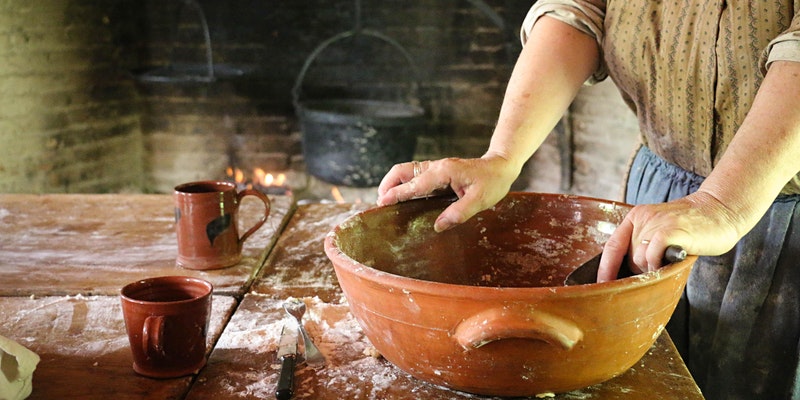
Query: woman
(716, 89)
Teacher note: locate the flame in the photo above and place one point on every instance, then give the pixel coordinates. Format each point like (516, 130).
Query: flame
(235, 173)
(259, 177)
(265, 179)
(337, 195)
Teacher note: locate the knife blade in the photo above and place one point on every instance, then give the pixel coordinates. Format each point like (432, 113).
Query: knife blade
(287, 354)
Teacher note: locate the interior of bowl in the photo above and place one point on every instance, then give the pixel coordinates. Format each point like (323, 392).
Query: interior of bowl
(526, 240)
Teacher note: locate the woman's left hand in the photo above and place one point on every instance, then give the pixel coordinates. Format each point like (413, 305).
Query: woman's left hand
(699, 223)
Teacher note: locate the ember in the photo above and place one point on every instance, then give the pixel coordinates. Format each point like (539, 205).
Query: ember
(337, 195)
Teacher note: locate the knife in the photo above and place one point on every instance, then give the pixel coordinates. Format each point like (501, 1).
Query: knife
(287, 353)
(587, 273)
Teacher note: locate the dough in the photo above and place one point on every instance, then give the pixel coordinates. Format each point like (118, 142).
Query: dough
(16, 370)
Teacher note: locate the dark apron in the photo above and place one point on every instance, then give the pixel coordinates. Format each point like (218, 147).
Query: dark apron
(738, 325)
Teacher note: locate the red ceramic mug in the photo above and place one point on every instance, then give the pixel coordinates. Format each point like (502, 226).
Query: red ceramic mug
(206, 222)
(166, 319)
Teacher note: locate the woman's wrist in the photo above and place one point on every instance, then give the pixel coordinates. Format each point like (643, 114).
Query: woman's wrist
(510, 164)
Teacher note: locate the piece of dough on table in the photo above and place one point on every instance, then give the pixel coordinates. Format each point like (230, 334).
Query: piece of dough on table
(16, 370)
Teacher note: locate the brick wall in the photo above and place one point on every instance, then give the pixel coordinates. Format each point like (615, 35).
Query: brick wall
(68, 123)
(75, 73)
(604, 136)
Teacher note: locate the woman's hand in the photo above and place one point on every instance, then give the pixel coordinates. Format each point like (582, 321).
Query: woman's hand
(699, 223)
(763, 155)
(478, 182)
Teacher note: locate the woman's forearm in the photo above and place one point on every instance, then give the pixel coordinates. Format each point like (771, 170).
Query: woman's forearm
(555, 62)
(765, 153)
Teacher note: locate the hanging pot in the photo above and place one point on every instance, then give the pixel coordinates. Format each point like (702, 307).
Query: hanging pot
(354, 142)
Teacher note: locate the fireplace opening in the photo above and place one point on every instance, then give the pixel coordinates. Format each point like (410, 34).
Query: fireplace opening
(452, 66)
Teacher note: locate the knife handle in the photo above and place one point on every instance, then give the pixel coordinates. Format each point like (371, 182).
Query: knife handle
(673, 254)
(285, 388)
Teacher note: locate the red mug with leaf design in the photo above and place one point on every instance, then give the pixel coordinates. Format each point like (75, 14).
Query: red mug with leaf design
(206, 223)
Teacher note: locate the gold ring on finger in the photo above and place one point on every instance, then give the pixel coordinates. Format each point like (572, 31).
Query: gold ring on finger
(417, 168)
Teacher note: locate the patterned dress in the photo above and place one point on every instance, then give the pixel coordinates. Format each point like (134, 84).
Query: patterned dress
(690, 71)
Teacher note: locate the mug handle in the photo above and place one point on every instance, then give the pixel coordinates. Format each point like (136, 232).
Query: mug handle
(263, 197)
(153, 335)
(516, 323)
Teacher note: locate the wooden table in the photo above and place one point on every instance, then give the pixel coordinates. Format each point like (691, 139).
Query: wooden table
(84, 352)
(95, 244)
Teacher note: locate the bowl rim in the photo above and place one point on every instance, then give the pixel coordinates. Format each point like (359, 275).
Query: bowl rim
(343, 260)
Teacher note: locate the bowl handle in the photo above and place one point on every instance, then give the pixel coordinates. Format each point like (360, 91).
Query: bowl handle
(527, 323)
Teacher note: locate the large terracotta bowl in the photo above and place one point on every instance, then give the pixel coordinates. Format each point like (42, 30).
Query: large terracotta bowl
(482, 307)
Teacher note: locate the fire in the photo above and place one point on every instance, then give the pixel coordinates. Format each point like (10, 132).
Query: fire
(265, 179)
(236, 174)
(258, 178)
(337, 195)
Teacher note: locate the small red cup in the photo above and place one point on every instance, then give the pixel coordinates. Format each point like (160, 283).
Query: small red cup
(166, 319)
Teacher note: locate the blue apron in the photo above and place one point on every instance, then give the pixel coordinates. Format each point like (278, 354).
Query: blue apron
(738, 325)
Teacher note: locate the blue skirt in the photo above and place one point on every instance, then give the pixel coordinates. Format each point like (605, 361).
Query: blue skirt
(738, 325)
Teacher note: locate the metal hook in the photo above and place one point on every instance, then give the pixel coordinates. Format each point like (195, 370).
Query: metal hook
(357, 25)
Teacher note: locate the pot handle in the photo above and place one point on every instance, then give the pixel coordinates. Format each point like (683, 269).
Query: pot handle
(296, 89)
(527, 323)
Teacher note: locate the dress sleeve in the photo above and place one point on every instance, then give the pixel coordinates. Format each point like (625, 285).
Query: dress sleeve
(785, 47)
(584, 15)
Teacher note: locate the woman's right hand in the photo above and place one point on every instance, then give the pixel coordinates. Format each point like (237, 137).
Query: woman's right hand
(479, 184)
